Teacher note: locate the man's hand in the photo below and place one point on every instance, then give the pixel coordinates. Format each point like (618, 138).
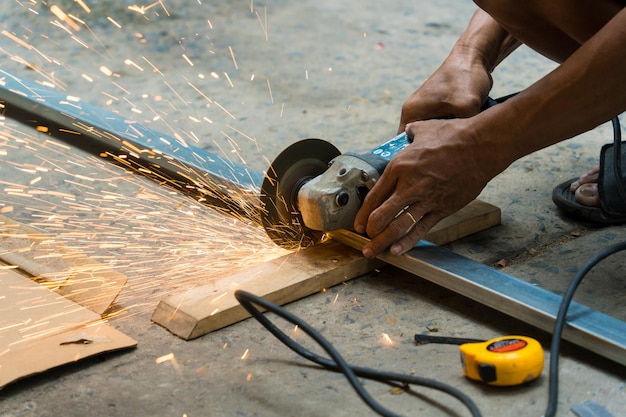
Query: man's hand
(440, 172)
(457, 89)
(447, 165)
(461, 84)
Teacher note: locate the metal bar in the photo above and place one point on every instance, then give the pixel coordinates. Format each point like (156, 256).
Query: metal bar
(588, 328)
(209, 178)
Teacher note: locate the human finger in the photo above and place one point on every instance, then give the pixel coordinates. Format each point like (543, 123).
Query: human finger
(379, 194)
(417, 233)
(402, 225)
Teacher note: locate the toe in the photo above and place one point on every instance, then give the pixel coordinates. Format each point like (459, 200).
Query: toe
(587, 195)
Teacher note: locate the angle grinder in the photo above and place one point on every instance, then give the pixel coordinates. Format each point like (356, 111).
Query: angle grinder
(312, 188)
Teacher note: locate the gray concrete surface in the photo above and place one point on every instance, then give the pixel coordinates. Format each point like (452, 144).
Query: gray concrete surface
(334, 70)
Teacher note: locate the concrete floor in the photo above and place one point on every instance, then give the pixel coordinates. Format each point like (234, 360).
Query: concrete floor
(338, 71)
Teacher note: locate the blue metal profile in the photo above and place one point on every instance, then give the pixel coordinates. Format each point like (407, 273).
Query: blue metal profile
(585, 327)
(209, 178)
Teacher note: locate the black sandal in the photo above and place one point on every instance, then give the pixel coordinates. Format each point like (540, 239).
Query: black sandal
(611, 188)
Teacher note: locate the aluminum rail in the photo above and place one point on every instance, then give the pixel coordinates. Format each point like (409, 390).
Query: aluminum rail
(234, 190)
(209, 178)
(585, 327)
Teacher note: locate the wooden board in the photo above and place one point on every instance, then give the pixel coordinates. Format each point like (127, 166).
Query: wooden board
(209, 307)
(40, 329)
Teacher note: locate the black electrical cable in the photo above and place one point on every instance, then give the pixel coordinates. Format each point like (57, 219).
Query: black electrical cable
(337, 363)
(559, 323)
(617, 157)
(561, 319)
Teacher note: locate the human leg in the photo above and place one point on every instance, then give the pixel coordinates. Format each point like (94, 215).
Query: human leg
(556, 29)
(553, 28)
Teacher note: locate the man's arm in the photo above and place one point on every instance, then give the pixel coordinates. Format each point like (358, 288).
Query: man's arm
(485, 42)
(450, 161)
(461, 84)
(586, 90)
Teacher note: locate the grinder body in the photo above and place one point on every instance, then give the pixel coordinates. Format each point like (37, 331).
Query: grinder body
(331, 200)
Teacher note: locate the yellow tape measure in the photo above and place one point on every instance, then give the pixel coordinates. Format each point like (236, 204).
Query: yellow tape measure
(503, 361)
(507, 360)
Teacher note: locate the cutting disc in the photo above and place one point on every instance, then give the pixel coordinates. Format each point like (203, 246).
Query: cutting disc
(294, 166)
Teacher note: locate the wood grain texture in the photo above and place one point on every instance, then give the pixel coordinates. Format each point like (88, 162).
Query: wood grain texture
(209, 307)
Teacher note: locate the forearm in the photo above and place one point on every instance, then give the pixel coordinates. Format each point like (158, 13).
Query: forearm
(485, 42)
(586, 90)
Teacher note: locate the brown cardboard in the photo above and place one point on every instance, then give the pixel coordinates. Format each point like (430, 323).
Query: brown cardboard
(40, 329)
(69, 272)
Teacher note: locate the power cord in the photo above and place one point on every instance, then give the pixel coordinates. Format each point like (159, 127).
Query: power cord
(336, 363)
(560, 323)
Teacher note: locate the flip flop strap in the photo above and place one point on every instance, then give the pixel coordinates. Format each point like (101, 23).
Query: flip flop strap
(612, 181)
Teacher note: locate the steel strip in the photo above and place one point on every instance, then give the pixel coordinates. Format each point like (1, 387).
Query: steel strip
(588, 328)
(209, 178)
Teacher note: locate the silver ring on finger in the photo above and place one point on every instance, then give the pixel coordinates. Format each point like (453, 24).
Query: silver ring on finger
(414, 222)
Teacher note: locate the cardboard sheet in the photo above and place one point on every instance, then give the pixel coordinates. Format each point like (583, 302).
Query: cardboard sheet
(40, 329)
(69, 272)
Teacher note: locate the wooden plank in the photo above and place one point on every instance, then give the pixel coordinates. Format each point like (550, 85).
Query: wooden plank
(69, 272)
(40, 329)
(203, 309)
(287, 278)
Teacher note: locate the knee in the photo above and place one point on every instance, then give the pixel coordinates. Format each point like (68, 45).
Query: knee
(513, 14)
(508, 9)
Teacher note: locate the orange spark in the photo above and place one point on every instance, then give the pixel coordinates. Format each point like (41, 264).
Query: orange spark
(165, 358)
(56, 10)
(188, 60)
(110, 19)
(82, 4)
(263, 26)
(232, 54)
(269, 87)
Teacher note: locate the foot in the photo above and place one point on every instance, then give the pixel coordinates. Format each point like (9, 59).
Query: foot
(586, 189)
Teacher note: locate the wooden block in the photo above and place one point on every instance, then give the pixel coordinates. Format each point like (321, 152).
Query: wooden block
(40, 329)
(287, 278)
(473, 218)
(203, 309)
(69, 272)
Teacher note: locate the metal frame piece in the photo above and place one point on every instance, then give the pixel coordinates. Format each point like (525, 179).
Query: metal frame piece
(233, 189)
(585, 327)
(209, 178)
